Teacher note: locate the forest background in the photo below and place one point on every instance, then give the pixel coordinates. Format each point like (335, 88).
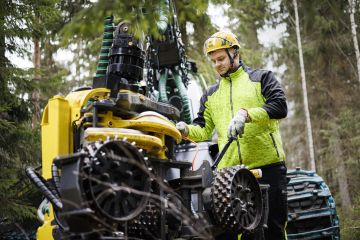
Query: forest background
(38, 30)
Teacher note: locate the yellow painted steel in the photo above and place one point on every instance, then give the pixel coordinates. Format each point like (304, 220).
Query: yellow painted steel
(153, 145)
(55, 132)
(152, 123)
(44, 232)
(147, 121)
(55, 141)
(80, 99)
(257, 173)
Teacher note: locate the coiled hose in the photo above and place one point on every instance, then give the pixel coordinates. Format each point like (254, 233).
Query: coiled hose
(44, 188)
(55, 178)
(105, 47)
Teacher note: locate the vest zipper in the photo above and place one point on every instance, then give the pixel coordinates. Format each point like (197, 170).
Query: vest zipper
(232, 116)
(275, 145)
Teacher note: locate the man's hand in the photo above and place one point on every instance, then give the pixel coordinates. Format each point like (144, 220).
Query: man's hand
(183, 128)
(237, 124)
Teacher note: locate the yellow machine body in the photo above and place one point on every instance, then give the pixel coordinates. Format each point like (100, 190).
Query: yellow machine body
(55, 132)
(45, 231)
(62, 114)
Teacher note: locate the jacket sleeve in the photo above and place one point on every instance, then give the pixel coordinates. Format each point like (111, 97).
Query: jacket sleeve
(202, 126)
(275, 101)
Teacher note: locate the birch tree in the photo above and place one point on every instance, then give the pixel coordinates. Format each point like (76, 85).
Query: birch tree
(304, 89)
(35, 95)
(354, 33)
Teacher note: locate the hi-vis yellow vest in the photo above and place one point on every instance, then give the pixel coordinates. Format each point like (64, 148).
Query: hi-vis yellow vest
(261, 95)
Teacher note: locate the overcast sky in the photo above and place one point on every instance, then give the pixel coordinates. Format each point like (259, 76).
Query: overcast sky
(267, 36)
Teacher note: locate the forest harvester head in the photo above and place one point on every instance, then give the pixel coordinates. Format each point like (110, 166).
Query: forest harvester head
(109, 169)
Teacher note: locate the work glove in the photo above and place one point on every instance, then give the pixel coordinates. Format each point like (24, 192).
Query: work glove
(237, 124)
(183, 128)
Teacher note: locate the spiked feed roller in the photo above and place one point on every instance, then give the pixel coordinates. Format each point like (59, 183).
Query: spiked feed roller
(237, 201)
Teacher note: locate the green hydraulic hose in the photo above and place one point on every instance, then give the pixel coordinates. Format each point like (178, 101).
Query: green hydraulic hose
(105, 47)
(184, 98)
(163, 22)
(162, 86)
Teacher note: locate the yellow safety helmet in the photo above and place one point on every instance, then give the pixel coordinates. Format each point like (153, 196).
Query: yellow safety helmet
(220, 40)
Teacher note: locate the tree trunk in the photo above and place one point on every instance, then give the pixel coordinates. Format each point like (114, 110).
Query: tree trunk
(35, 96)
(341, 172)
(3, 59)
(304, 89)
(353, 33)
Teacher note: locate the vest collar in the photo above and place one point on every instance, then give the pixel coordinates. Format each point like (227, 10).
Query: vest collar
(235, 74)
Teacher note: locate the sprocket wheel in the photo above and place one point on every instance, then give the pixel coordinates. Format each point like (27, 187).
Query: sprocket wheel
(237, 201)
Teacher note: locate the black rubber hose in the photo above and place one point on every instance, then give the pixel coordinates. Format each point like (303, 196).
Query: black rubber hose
(40, 182)
(55, 178)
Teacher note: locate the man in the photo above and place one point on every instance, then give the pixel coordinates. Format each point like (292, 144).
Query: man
(245, 105)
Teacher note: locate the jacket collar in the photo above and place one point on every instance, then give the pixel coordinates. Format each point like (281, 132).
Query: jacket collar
(235, 74)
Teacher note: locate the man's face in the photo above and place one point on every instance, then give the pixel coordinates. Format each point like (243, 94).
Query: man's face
(220, 60)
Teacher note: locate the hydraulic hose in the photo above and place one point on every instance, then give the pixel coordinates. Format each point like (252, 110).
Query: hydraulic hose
(163, 22)
(44, 206)
(55, 178)
(184, 98)
(41, 184)
(105, 47)
(162, 86)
